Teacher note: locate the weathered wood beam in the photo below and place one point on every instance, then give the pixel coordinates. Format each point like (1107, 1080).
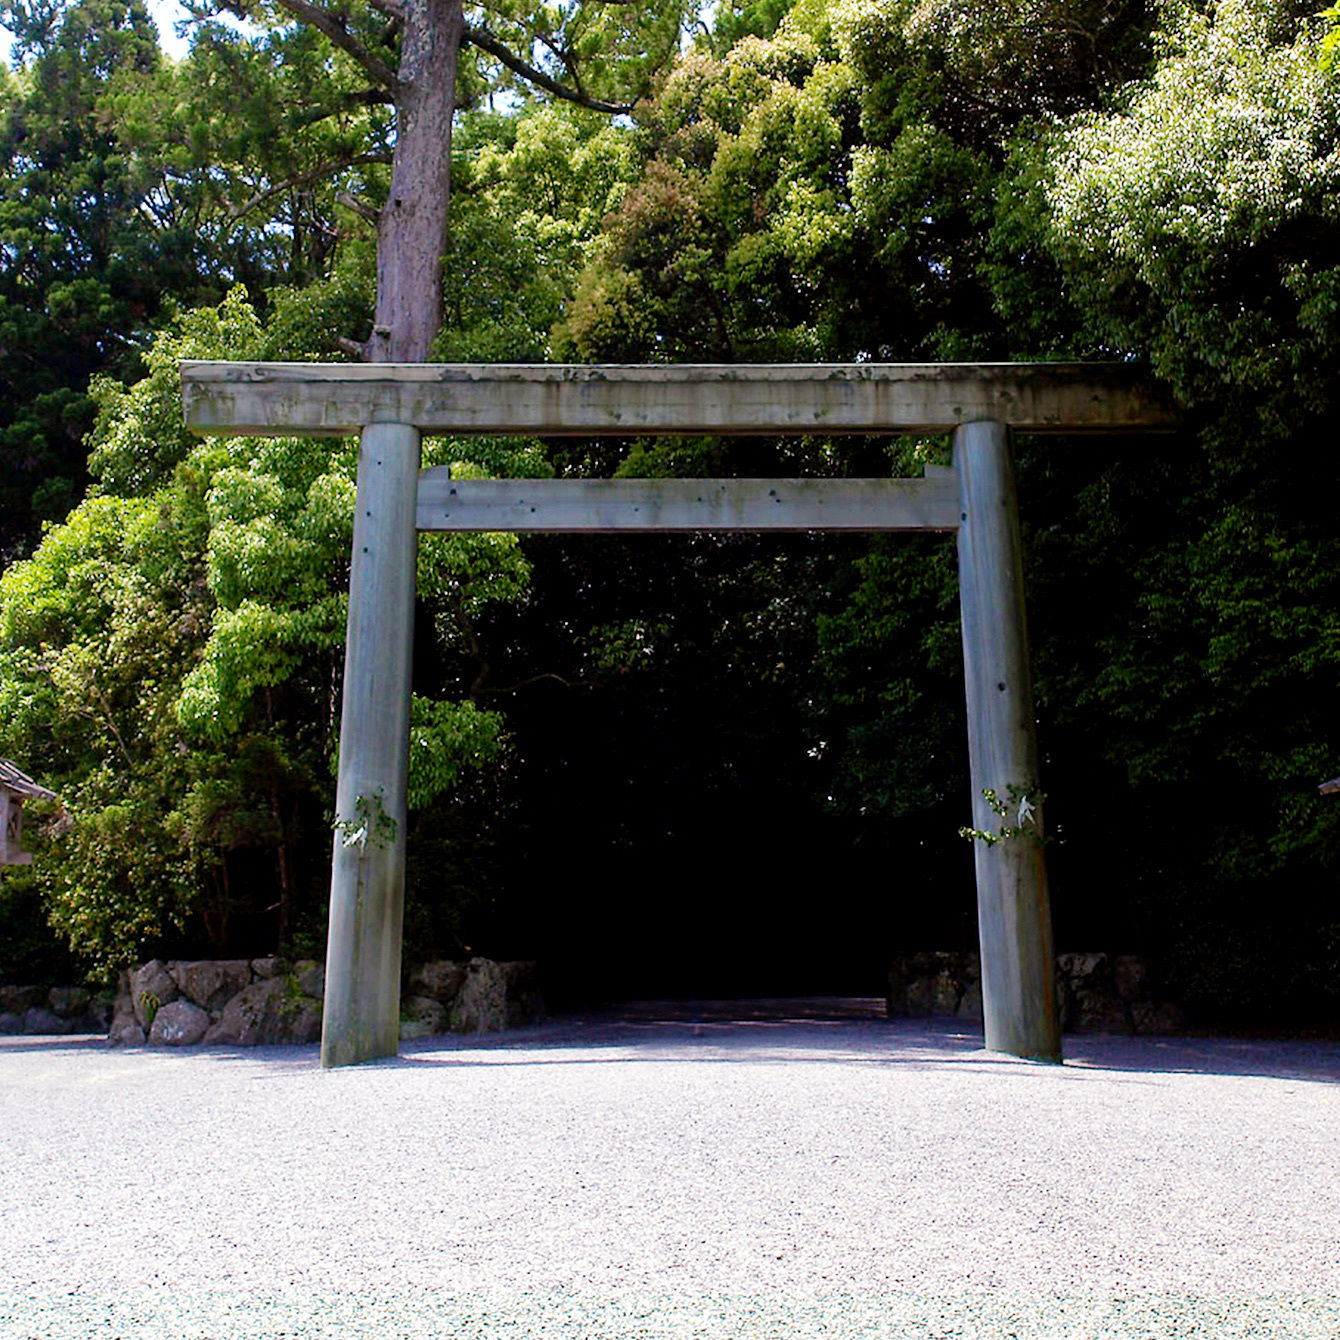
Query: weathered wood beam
(686, 504)
(314, 399)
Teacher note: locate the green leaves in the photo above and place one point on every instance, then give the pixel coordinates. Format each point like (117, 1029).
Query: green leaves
(835, 179)
(169, 658)
(76, 278)
(445, 740)
(607, 51)
(783, 211)
(529, 193)
(1182, 221)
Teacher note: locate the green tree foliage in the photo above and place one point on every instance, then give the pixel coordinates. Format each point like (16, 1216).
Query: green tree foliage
(930, 182)
(79, 273)
(829, 179)
(133, 184)
(169, 661)
(592, 50)
(717, 251)
(260, 137)
(188, 713)
(529, 194)
(736, 19)
(1195, 227)
(828, 192)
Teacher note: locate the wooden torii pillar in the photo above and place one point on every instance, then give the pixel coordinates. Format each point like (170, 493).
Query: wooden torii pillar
(392, 405)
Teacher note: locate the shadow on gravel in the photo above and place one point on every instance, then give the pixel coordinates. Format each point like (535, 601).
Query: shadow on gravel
(49, 1042)
(775, 1032)
(1316, 1062)
(920, 1044)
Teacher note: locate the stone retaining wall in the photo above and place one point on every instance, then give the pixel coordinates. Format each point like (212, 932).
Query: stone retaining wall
(245, 1002)
(1098, 993)
(242, 1002)
(53, 1011)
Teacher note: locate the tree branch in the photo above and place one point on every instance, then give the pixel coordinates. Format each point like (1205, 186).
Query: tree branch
(304, 179)
(320, 18)
(537, 679)
(565, 58)
(468, 628)
(485, 41)
(362, 97)
(359, 207)
(105, 719)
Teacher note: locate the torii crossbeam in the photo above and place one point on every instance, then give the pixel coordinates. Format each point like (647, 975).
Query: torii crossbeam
(393, 405)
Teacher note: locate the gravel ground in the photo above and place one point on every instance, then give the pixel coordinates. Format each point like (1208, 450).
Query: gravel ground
(598, 1179)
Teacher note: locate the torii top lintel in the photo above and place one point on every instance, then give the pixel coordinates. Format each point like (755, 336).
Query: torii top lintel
(582, 400)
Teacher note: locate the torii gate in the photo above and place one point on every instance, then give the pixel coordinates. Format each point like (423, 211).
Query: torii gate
(393, 405)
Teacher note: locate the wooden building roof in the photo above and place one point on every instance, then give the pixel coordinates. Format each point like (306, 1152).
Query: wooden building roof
(19, 782)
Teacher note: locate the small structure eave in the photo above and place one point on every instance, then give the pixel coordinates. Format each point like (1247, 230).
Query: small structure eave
(21, 784)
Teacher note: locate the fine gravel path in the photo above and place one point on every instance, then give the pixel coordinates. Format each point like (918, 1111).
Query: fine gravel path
(601, 1179)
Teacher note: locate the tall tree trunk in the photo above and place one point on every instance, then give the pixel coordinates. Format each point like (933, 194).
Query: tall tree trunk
(412, 231)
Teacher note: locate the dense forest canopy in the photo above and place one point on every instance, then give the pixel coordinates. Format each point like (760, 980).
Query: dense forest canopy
(819, 180)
